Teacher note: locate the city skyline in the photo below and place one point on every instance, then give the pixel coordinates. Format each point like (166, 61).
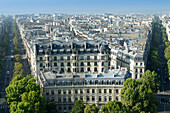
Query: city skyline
(8, 7)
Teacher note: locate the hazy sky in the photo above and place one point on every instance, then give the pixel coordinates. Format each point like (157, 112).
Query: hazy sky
(83, 6)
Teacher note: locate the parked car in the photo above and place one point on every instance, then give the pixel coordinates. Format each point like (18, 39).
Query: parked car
(7, 72)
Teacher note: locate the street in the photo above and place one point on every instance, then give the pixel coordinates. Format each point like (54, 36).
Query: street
(7, 74)
(163, 96)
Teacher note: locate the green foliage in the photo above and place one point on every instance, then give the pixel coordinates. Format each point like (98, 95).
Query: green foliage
(4, 43)
(154, 59)
(17, 57)
(137, 96)
(167, 48)
(18, 70)
(78, 107)
(168, 63)
(113, 107)
(16, 39)
(23, 96)
(91, 109)
(50, 107)
(152, 79)
(167, 53)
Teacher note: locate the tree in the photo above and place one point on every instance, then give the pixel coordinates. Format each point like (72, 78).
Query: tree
(23, 95)
(18, 70)
(113, 107)
(78, 107)
(50, 107)
(91, 109)
(167, 53)
(168, 63)
(137, 96)
(17, 57)
(152, 79)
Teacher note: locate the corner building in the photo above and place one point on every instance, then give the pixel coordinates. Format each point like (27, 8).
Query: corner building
(65, 89)
(82, 56)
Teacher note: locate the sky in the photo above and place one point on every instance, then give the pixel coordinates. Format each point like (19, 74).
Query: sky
(12, 7)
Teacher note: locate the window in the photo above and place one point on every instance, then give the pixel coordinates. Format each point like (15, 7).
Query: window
(100, 91)
(105, 90)
(62, 70)
(105, 98)
(61, 58)
(69, 99)
(64, 99)
(82, 63)
(117, 98)
(65, 107)
(52, 92)
(53, 98)
(59, 99)
(82, 69)
(70, 107)
(68, 70)
(88, 69)
(103, 57)
(136, 70)
(62, 64)
(60, 108)
(108, 63)
(48, 58)
(95, 57)
(93, 98)
(74, 64)
(95, 63)
(140, 64)
(102, 69)
(95, 69)
(136, 64)
(76, 91)
(74, 57)
(75, 99)
(68, 57)
(140, 75)
(100, 98)
(102, 63)
(74, 69)
(88, 63)
(93, 90)
(110, 90)
(141, 70)
(88, 98)
(117, 91)
(55, 58)
(41, 64)
(64, 91)
(88, 91)
(59, 91)
(69, 91)
(41, 58)
(47, 93)
(68, 64)
(88, 57)
(81, 98)
(110, 98)
(55, 64)
(81, 57)
(81, 91)
(136, 76)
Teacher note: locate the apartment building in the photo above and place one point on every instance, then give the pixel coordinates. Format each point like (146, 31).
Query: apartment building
(65, 89)
(76, 56)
